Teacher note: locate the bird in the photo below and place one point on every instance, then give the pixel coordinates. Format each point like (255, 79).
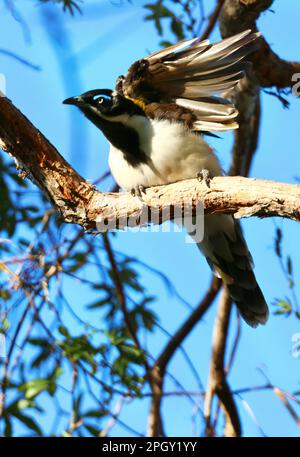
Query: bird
(157, 120)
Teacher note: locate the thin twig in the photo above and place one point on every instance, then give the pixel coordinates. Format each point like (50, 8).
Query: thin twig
(160, 365)
(213, 19)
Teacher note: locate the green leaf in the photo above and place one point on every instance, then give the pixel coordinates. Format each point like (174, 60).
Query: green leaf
(278, 240)
(132, 353)
(114, 338)
(68, 5)
(159, 10)
(284, 307)
(8, 427)
(30, 423)
(176, 27)
(94, 431)
(289, 265)
(98, 413)
(165, 44)
(63, 330)
(23, 404)
(34, 387)
(99, 303)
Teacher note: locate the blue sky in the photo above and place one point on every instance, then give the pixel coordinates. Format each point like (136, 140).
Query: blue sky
(105, 40)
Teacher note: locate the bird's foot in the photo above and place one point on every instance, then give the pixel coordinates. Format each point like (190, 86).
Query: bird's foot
(204, 175)
(138, 191)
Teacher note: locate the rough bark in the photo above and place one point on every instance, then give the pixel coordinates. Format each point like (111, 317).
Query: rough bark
(269, 69)
(217, 381)
(81, 203)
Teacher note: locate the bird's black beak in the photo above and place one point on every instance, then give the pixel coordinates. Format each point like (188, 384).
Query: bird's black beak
(77, 101)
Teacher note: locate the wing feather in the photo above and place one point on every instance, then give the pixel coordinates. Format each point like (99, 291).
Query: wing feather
(191, 74)
(194, 42)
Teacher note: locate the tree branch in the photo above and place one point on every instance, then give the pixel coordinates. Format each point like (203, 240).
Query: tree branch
(80, 203)
(213, 19)
(161, 363)
(217, 383)
(236, 16)
(246, 137)
(195, 316)
(269, 69)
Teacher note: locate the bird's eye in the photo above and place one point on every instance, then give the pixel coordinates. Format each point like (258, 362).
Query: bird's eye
(102, 100)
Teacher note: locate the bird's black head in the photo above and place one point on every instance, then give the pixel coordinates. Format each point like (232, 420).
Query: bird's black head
(104, 104)
(111, 112)
(98, 99)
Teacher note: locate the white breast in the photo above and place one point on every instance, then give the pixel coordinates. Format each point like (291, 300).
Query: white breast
(175, 152)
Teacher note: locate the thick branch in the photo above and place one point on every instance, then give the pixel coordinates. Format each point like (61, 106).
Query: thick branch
(80, 203)
(160, 365)
(246, 137)
(217, 383)
(40, 161)
(185, 329)
(239, 196)
(270, 70)
(236, 16)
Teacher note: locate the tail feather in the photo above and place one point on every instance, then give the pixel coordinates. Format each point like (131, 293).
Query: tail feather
(227, 254)
(250, 302)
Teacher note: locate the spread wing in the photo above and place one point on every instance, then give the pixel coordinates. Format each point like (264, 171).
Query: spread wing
(195, 75)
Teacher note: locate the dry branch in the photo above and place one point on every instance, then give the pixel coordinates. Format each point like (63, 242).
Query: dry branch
(81, 203)
(269, 69)
(162, 361)
(217, 383)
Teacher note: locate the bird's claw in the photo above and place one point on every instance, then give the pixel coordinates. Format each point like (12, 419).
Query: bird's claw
(138, 191)
(204, 175)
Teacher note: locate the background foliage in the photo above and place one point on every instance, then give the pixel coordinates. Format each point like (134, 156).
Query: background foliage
(73, 374)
